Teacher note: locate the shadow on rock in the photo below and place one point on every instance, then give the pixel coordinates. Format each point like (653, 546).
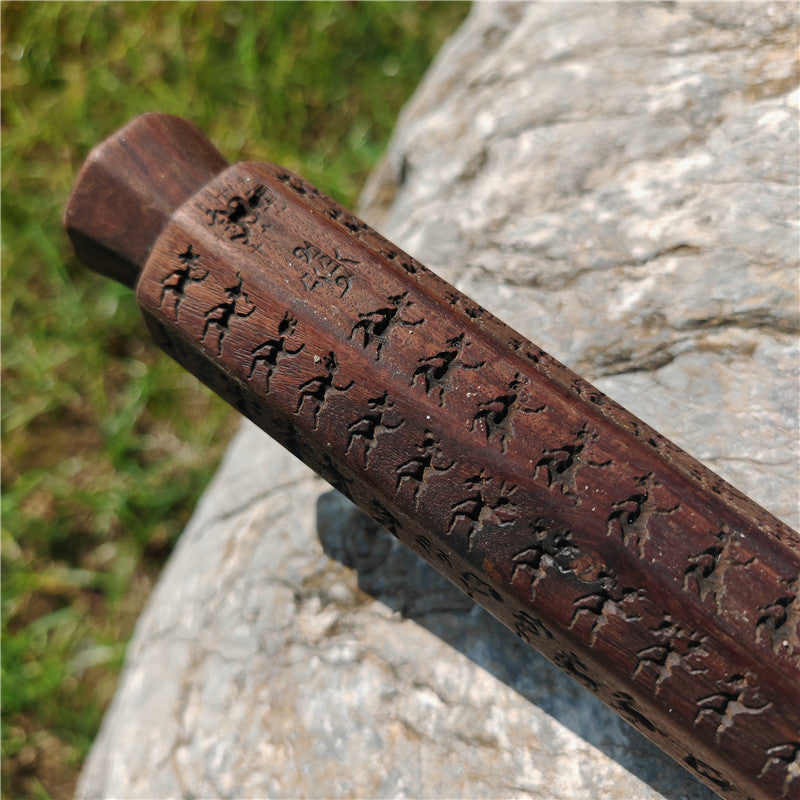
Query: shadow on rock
(392, 574)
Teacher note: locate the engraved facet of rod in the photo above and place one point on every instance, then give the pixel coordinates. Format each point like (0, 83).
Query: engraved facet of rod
(658, 586)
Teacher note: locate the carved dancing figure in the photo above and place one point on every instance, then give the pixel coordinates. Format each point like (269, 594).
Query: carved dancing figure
(675, 647)
(785, 757)
(244, 211)
(605, 601)
(555, 543)
(493, 416)
(417, 470)
(317, 388)
(174, 284)
(629, 518)
(741, 696)
(376, 325)
(370, 426)
(269, 353)
(779, 622)
(434, 370)
(478, 508)
(238, 304)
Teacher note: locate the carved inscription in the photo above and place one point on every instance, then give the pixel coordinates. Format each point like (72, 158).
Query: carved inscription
(325, 269)
(570, 663)
(285, 431)
(424, 543)
(475, 586)
(443, 558)
(344, 483)
(352, 223)
(707, 771)
(379, 512)
(529, 627)
(470, 308)
(625, 705)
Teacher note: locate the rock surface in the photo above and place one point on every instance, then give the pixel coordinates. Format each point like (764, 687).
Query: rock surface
(619, 183)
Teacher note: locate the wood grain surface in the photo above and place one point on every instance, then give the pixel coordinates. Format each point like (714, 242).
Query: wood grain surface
(658, 586)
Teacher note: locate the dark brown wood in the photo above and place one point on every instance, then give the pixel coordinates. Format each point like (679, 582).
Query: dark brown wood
(657, 585)
(125, 193)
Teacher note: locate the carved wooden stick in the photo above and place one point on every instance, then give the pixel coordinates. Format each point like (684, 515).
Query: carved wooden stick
(658, 586)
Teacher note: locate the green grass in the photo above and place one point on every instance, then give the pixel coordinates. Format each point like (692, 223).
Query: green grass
(106, 443)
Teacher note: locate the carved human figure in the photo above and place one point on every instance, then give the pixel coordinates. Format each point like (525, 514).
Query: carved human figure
(240, 214)
(173, 285)
(494, 416)
(269, 353)
(740, 696)
(366, 429)
(428, 459)
(674, 648)
(706, 572)
(629, 518)
(604, 602)
(375, 326)
(784, 757)
(779, 621)
(433, 371)
(219, 317)
(243, 211)
(316, 389)
(558, 466)
(557, 544)
(484, 504)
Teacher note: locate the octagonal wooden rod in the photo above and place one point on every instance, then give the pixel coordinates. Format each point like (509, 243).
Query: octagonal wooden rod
(657, 585)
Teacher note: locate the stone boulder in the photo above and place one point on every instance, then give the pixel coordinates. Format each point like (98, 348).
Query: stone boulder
(619, 182)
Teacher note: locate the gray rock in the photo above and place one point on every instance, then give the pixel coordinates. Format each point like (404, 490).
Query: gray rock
(619, 183)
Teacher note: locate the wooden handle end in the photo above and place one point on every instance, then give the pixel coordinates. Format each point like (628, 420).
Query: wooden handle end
(129, 187)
